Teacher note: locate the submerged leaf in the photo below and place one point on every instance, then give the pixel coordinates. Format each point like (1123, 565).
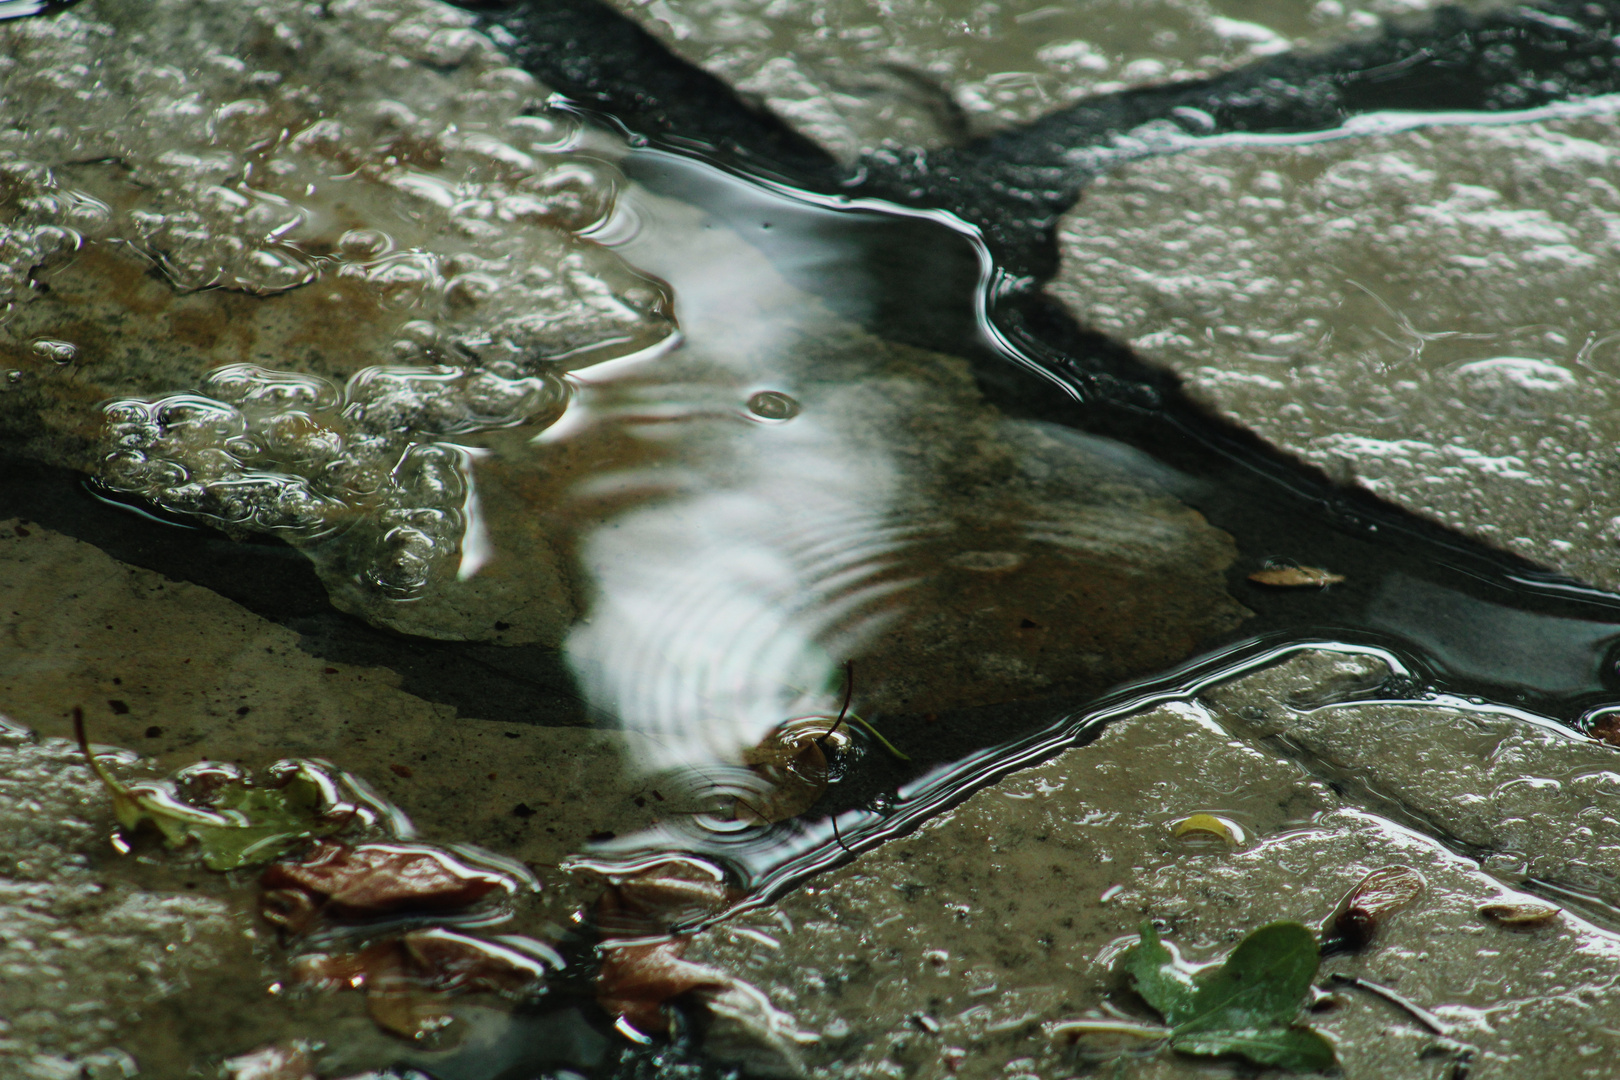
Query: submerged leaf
(242, 824)
(408, 979)
(373, 879)
(636, 980)
(660, 898)
(1295, 577)
(1159, 979)
(292, 1061)
(1287, 1048)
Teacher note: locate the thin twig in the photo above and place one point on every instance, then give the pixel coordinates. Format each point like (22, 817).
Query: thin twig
(1412, 1009)
(849, 694)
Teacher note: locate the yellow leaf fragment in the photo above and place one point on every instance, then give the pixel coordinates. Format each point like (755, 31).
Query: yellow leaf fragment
(1295, 577)
(1210, 825)
(1511, 914)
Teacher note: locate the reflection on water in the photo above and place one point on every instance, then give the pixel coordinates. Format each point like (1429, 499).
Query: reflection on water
(629, 407)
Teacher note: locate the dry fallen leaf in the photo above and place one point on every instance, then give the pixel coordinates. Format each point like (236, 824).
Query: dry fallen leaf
(408, 979)
(1295, 577)
(792, 762)
(637, 979)
(1513, 914)
(660, 898)
(1378, 896)
(358, 880)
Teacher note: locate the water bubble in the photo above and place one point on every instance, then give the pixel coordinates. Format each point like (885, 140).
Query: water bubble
(773, 405)
(252, 386)
(14, 377)
(364, 245)
(57, 352)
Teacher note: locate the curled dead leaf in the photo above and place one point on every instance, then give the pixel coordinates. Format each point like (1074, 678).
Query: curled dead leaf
(637, 980)
(359, 880)
(666, 895)
(792, 762)
(1521, 915)
(1295, 577)
(1374, 899)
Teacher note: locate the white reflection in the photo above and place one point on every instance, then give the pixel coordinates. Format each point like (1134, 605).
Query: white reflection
(754, 557)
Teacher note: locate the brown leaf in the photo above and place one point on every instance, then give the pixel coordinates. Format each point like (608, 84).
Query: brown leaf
(346, 970)
(1378, 896)
(294, 1061)
(1606, 728)
(407, 980)
(371, 879)
(792, 761)
(661, 897)
(294, 910)
(453, 963)
(636, 981)
(1523, 915)
(1295, 577)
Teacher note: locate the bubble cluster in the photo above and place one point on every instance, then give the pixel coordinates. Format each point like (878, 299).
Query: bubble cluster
(281, 451)
(413, 205)
(262, 146)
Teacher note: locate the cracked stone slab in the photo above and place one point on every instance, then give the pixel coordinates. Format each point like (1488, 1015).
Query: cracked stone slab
(955, 948)
(851, 75)
(1428, 314)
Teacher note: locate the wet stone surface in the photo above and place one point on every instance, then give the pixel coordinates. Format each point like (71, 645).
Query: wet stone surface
(404, 242)
(1427, 314)
(955, 949)
(83, 950)
(852, 76)
(181, 674)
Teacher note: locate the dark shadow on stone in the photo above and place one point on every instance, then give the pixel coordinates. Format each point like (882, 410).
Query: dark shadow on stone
(602, 60)
(523, 684)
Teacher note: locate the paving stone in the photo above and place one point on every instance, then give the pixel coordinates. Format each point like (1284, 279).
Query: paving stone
(1427, 314)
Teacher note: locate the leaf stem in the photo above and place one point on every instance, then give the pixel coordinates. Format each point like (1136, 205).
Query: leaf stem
(1417, 1012)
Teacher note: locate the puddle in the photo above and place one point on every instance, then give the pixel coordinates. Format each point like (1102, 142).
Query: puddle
(648, 446)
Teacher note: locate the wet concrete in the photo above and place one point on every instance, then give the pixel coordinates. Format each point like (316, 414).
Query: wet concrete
(851, 77)
(1424, 314)
(958, 949)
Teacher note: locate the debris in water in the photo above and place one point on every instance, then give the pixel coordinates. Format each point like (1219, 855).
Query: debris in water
(407, 979)
(1515, 914)
(1378, 896)
(636, 981)
(669, 894)
(349, 881)
(291, 1061)
(1201, 825)
(1295, 577)
(234, 821)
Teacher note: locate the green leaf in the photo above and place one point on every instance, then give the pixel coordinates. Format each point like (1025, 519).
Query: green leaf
(263, 824)
(1261, 985)
(1287, 1048)
(1162, 982)
(245, 825)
